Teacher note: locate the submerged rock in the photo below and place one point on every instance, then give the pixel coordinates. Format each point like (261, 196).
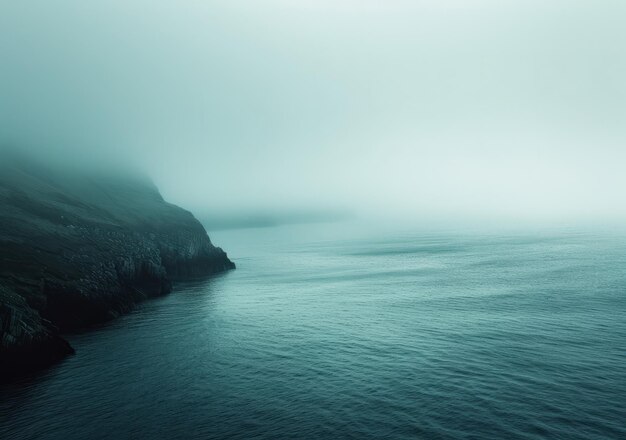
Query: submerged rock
(77, 249)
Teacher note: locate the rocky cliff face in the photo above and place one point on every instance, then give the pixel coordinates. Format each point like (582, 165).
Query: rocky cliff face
(76, 249)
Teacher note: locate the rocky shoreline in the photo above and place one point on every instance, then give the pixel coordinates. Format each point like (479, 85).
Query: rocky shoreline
(81, 248)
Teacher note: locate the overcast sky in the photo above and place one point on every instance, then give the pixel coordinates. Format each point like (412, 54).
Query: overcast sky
(510, 109)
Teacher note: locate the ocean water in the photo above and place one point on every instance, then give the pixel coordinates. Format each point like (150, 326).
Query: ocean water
(329, 334)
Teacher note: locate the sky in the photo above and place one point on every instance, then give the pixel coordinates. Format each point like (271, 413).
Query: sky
(458, 109)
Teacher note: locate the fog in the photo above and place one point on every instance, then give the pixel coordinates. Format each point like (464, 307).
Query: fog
(442, 109)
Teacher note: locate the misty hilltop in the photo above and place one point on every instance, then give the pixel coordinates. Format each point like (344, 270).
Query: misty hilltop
(80, 248)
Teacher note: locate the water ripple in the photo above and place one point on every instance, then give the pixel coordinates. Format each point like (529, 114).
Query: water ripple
(434, 337)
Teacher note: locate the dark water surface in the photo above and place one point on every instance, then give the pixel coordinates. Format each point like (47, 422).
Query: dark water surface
(315, 335)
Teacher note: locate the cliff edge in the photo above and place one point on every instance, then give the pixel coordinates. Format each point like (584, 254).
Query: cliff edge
(78, 248)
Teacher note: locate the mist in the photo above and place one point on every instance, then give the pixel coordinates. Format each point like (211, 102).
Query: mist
(456, 110)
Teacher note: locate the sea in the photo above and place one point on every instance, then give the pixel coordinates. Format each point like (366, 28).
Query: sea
(339, 332)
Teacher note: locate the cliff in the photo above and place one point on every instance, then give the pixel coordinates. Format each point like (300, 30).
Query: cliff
(79, 248)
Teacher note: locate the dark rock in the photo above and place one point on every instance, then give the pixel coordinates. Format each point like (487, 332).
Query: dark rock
(77, 249)
(27, 341)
